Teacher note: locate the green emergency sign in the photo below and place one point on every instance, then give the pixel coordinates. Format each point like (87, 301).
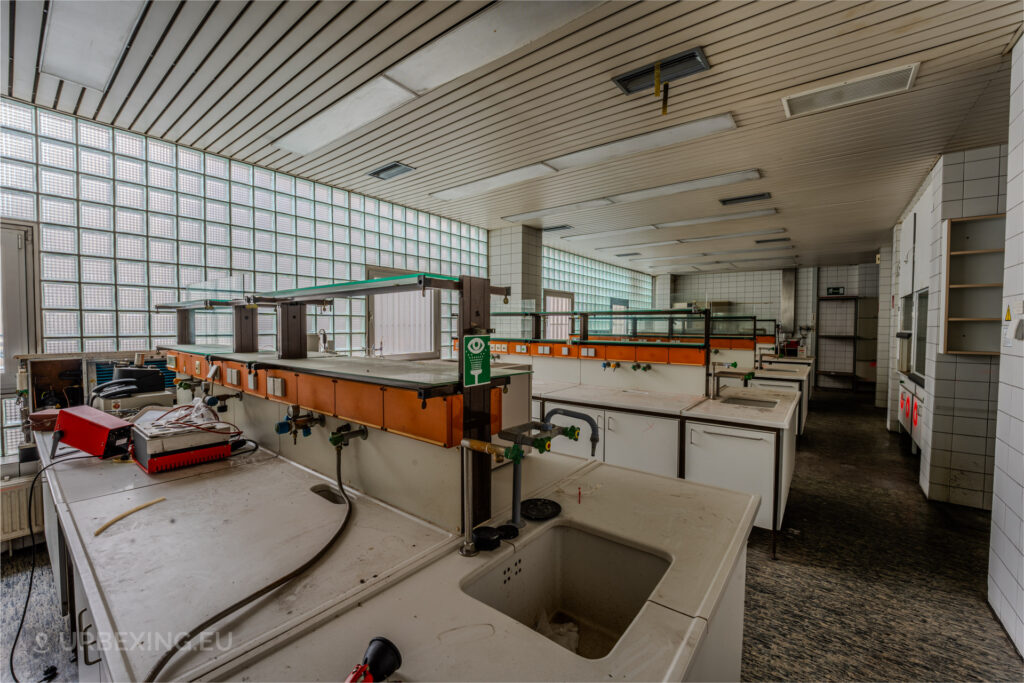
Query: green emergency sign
(476, 360)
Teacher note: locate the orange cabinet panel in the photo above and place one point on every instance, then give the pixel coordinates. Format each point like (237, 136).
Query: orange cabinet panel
(195, 366)
(316, 393)
(743, 344)
(652, 354)
(765, 339)
(721, 343)
(173, 361)
(404, 413)
(620, 353)
(543, 349)
(496, 398)
(685, 356)
(289, 386)
(359, 402)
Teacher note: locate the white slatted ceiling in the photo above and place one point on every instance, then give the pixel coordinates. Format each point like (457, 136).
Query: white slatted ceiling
(231, 77)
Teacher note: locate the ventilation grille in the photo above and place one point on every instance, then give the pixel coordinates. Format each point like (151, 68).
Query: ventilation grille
(891, 82)
(391, 170)
(557, 228)
(672, 68)
(745, 198)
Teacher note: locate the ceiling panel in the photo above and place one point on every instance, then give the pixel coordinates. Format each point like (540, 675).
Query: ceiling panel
(233, 77)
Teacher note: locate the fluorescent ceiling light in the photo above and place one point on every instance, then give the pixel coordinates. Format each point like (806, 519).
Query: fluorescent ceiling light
(733, 235)
(692, 257)
(687, 186)
(84, 40)
(476, 187)
(565, 208)
(395, 168)
(597, 235)
(645, 245)
(497, 31)
(644, 142)
(366, 103)
(718, 219)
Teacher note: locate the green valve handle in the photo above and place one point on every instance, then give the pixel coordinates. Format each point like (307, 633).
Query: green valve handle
(749, 375)
(514, 453)
(733, 364)
(571, 432)
(542, 445)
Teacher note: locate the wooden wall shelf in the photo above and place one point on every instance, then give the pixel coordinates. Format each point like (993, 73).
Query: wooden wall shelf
(972, 301)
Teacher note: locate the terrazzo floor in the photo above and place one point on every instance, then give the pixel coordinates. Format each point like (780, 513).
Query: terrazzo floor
(45, 641)
(872, 582)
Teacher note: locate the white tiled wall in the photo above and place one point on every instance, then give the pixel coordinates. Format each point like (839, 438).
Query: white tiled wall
(892, 418)
(662, 291)
(960, 392)
(754, 293)
(1006, 556)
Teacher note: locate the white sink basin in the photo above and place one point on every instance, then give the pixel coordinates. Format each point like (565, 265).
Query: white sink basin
(567, 574)
(749, 402)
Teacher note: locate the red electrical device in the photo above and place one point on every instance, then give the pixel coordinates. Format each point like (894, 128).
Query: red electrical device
(92, 431)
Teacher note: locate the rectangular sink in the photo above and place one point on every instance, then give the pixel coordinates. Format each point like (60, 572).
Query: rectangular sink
(566, 574)
(749, 402)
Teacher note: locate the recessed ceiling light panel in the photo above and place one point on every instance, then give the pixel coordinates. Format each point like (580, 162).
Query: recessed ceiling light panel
(687, 186)
(366, 103)
(671, 69)
(84, 40)
(557, 228)
(851, 91)
(484, 185)
(555, 210)
(502, 28)
(645, 142)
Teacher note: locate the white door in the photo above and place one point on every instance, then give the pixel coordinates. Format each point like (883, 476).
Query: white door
(17, 296)
(735, 459)
(642, 442)
(579, 448)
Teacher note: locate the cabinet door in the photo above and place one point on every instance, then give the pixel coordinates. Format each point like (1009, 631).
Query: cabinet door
(535, 410)
(733, 458)
(90, 664)
(642, 442)
(579, 448)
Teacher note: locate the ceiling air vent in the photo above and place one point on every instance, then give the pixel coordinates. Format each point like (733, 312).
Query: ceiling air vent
(672, 68)
(882, 84)
(770, 241)
(391, 170)
(745, 198)
(629, 253)
(556, 228)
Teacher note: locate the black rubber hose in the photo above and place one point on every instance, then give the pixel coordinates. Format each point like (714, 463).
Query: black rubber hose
(227, 611)
(32, 540)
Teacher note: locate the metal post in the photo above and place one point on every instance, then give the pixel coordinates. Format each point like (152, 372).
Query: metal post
(538, 327)
(584, 327)
(291, 330)
(707, 352)
(245, 330)
(475, 318)
(186, 326)
(468, 548)
(517, 494)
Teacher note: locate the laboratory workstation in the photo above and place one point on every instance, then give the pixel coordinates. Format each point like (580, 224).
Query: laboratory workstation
(511, 340)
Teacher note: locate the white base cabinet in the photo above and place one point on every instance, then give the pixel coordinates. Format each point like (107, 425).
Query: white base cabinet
(789, 386)
(642, 442)
(742, 460)
(635, 440)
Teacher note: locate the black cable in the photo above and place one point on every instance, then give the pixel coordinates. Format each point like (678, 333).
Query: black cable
(32, 539)
(227, 611)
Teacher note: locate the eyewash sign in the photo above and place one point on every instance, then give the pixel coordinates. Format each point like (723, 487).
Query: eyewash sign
(476, 357)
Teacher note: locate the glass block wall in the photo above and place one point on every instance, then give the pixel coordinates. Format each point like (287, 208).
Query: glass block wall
(128, 222)
(595, 283)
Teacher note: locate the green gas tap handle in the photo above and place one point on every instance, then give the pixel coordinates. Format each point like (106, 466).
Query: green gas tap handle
(572, 432)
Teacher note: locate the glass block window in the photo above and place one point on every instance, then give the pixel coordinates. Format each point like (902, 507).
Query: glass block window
(128, 222)
(595, 283)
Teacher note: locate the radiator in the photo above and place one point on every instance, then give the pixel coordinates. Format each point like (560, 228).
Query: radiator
(14, 508)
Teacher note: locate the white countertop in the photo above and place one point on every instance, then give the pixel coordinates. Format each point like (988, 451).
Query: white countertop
(625, 399)
(444, 634)
(779, 417)
(224, 530)
(541, 388)
(228, 528)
